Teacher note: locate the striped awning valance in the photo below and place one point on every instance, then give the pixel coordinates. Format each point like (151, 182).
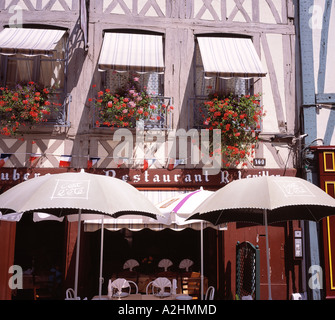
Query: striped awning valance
(119, 224)
(230, 57)
(130, 51)
(29, 41)
(137, 223)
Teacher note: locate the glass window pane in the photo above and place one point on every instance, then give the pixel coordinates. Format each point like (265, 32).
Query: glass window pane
(52, 69)
(52, 74)
(19, 69)
(204, 86)
(151, 82)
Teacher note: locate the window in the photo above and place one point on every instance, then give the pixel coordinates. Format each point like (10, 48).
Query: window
(225, 65)
(151, 82)
(33, 55)
(38, 55)
(133, 61)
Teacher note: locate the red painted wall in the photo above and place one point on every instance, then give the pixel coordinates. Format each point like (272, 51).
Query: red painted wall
(285, 271)
(7, 240)
(326, 157)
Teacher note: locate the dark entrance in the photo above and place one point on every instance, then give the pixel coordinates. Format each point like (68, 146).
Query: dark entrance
(39, 250)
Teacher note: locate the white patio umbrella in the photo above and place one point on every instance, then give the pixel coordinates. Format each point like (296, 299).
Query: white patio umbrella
(266, 199)
(11, 217)
(74, 193)
(168, 219)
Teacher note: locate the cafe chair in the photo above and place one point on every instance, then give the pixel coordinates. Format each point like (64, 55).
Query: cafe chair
(186, 264)
(165, 263)
(130, 264)
(159, 286)
(135, 286)
(121, 287)
(128, 271)
(69, 295)
(210, 293)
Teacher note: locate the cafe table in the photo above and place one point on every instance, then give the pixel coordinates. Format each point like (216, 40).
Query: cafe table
(139, 296)
(143, 279)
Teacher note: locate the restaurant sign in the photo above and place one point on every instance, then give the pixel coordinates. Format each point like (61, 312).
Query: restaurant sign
(150, 178)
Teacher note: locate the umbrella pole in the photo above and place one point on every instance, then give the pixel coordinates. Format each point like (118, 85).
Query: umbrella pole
(101, 279)
(202, 259)
(267, 252)
(77, 257)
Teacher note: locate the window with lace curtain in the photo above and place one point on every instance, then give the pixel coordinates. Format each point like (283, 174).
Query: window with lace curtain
(204, 86)
(132, 90)
(151, 82)
(144, 104)
(48, 71)
(225, 86)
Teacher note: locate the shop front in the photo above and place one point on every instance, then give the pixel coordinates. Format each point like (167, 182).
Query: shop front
(325, 156)
(158, 185)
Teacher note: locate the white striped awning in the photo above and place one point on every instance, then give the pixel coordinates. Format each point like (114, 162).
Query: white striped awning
(138, 223)
(130, 51)
(230, 57)
(29, 41)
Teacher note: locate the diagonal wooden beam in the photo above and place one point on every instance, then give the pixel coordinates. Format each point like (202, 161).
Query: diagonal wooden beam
(29, 5)
(49, 5)
(207, 5)
(109, 158)
(49, 151)
(148, 5)
(11, 150)
(114, 3)
(274, 11)
(276, 155)
(12, 3)
(330, 127)
(239, 7)
(64, 5)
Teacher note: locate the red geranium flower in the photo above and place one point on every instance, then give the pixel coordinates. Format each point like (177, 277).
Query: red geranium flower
(239, 119)
(28, 104)
(129, 102)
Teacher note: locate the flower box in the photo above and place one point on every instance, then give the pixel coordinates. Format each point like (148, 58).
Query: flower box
(239, 119)
(27, 104)
(130, 107)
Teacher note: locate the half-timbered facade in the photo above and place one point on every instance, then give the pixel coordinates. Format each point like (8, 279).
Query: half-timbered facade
(156, 158)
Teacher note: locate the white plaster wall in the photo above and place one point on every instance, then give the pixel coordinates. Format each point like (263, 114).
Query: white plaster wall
(316, 23)
(270, 123)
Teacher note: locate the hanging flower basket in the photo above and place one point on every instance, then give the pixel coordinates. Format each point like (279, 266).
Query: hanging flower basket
(25, 105)
(127, 106)
(239, 119)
